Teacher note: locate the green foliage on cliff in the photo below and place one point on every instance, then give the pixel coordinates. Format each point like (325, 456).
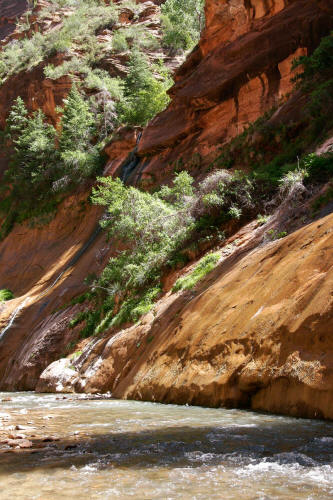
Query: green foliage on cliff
(46, 161)
(81, 52)
(79, 158)
(204, 267)
(144, 94)
(182, 22)
(152, 229)
(317, 66)
(5, 295)
(77, 31)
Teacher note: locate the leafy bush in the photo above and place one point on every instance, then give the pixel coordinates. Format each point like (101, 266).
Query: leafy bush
(182, 22)
(262, 219)
(274, 234)
(5, 295)
(153, 228)
(205, 266)
(119, 42)
(317, 65)
(145, 95)
(320, 168)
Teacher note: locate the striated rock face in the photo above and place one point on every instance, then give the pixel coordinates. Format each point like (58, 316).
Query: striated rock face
(45, 268)
(257, 331)
(10, 10)
(257, 334)
(37, 91)
(241, 69)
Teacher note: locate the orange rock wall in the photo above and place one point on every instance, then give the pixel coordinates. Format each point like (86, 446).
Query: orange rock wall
(259, 335)
(241, 69)
(10, 10)
(256, 333)
(32, 259)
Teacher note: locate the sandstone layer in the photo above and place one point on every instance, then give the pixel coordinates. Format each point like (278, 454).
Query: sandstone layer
(257, 333)
(241, 69)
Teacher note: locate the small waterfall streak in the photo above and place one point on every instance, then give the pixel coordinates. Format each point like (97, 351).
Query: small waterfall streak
(131, 162)
(13, 317)
(72, 262)
(52, 284)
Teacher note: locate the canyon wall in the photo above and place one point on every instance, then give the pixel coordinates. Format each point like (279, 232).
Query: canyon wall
(257, 332)
(10, 10)
(241, 69)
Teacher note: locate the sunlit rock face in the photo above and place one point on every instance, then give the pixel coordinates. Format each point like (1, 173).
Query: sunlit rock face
(258, 332)
(241, 69)
(9, 11)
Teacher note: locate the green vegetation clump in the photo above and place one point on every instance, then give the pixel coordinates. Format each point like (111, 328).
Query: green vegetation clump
(205, 266)
(144, 94)
(154, 228)
(182, 22)
(319, 167)
(262, 219)
(77, 32)
(75, 355)
(47, 162)
(317, 66)
(5, 295)
(274, 234)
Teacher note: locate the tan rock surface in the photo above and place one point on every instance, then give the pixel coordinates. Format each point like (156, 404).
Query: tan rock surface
(257, 333)
(260, 336)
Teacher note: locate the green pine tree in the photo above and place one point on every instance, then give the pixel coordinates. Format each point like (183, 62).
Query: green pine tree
(34, 148)
(76, 123)
(80, 159)
(17, 120)
(139, 74)
(145, 95)
(182, 23)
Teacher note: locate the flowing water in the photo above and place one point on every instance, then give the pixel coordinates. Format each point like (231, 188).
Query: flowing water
(109, 449)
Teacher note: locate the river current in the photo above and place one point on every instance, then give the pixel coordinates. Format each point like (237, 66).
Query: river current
(111, 449)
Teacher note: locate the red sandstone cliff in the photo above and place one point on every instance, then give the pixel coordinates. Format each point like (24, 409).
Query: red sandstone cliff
(10, 10)
(257, 332)
(241, 69)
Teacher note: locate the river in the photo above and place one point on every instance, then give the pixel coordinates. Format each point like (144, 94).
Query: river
(110, 449)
